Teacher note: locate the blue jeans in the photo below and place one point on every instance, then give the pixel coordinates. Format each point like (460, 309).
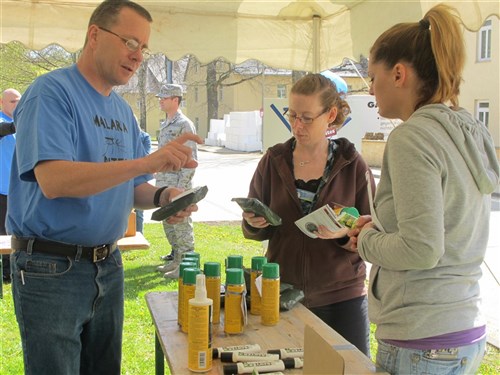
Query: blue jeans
(463, 360)
(139, 220)
(70, 313)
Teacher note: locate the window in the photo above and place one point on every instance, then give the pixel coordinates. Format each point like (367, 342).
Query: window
(196, 123)
(196, 94)
(483, 112)
(281, 91)
(484, 42)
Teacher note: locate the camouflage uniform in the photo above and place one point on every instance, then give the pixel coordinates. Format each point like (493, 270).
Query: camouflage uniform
(180, 236)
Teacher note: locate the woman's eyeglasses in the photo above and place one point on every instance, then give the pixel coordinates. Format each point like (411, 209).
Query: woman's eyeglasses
(305, 120)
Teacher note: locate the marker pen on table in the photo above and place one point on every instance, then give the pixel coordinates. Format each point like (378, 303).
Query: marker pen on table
(288, 352)
(247, 357)
(264, 366)
(236, 348)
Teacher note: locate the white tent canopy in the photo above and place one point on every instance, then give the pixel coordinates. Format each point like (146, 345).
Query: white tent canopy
(299, 34)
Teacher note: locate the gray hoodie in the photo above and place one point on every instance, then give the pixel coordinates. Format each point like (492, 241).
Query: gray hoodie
(433, 202)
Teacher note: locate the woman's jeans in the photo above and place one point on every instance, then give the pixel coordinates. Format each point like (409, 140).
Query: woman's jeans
(349, 319)
(454, 361)
(70, 313)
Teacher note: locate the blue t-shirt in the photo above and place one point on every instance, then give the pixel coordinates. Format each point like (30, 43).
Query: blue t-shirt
(62, 117)
(7, 144)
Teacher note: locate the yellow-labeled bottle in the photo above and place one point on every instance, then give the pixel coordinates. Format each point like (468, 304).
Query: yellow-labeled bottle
(255, 298)
(235, 307)
(189, 288)
(200, 328)
(180, 291)
(270, 308)
(212, 280)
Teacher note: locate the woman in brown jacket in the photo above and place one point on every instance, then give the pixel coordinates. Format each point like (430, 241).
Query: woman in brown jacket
(297, 177)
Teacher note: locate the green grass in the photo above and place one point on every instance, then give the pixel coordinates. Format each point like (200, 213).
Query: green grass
(213, 242)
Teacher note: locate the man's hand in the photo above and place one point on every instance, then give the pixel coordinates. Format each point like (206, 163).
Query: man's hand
(166, 197)
(174, 155)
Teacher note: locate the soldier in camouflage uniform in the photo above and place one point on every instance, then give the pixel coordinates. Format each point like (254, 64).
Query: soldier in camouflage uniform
(180, 236)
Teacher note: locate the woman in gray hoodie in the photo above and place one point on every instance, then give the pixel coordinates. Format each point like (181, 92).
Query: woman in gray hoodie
(428, 233)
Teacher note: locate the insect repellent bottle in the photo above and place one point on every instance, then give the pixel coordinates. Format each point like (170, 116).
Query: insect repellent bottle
(234, 261)
(192, 256)
(180, 291)
(270, 308)
(200, 328)
(189, 287)
(212, 280)
(235, 307)
(255, 299)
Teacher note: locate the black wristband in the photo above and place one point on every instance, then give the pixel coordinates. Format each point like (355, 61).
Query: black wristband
(156, 199)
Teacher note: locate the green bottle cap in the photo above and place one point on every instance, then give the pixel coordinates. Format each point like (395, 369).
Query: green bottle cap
(353, 211)
(192, 257)
(211, 269)
(234, 276)
(271, 271)
(258, 262)
(183, 265)
(234, 261)
(191, 254)
(189, 275)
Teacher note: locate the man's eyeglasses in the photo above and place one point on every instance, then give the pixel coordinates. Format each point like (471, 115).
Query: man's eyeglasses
(132, 44)
(292, 117)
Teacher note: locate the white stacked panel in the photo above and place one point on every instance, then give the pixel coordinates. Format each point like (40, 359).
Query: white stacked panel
(217, 134)
(244, 132)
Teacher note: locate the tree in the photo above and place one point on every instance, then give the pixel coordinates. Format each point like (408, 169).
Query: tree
(20, 66)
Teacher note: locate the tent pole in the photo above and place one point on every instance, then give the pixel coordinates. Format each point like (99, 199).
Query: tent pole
(316, 43)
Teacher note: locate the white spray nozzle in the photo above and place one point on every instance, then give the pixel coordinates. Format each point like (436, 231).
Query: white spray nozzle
(200, 292)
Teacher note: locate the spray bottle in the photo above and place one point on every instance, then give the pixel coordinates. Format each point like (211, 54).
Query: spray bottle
(270, 310)
(212, 279)
(255, 299)
(200, 328)
(235, 314)
(180, 294)
(189, 289)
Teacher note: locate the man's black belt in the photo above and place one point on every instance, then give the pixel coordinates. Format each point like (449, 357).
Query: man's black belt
(94, 254)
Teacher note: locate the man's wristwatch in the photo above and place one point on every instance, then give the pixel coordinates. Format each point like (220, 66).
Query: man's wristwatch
(156, 199)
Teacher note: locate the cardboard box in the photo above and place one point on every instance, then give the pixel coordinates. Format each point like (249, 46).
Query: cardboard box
(131, 228)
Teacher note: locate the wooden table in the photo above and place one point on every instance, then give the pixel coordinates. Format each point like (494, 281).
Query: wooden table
(171, 342)
(137, 242)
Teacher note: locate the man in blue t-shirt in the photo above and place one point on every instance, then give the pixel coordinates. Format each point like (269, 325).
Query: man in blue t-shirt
(78, 170)
(8, 102)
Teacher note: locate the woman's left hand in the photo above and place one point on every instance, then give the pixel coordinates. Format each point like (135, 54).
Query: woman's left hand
(324, 233)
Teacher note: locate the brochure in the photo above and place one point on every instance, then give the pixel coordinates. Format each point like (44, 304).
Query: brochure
(338, 218)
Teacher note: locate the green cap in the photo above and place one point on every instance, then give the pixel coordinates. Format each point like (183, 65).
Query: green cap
(258, 262)
(234, 276)
(192, 256)
(189, 275)
(183, 265)
(234, 261)
(271, 271)
(353, 211)
(211, 269)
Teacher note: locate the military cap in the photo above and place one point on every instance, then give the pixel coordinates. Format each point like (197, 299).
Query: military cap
(169, 90)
